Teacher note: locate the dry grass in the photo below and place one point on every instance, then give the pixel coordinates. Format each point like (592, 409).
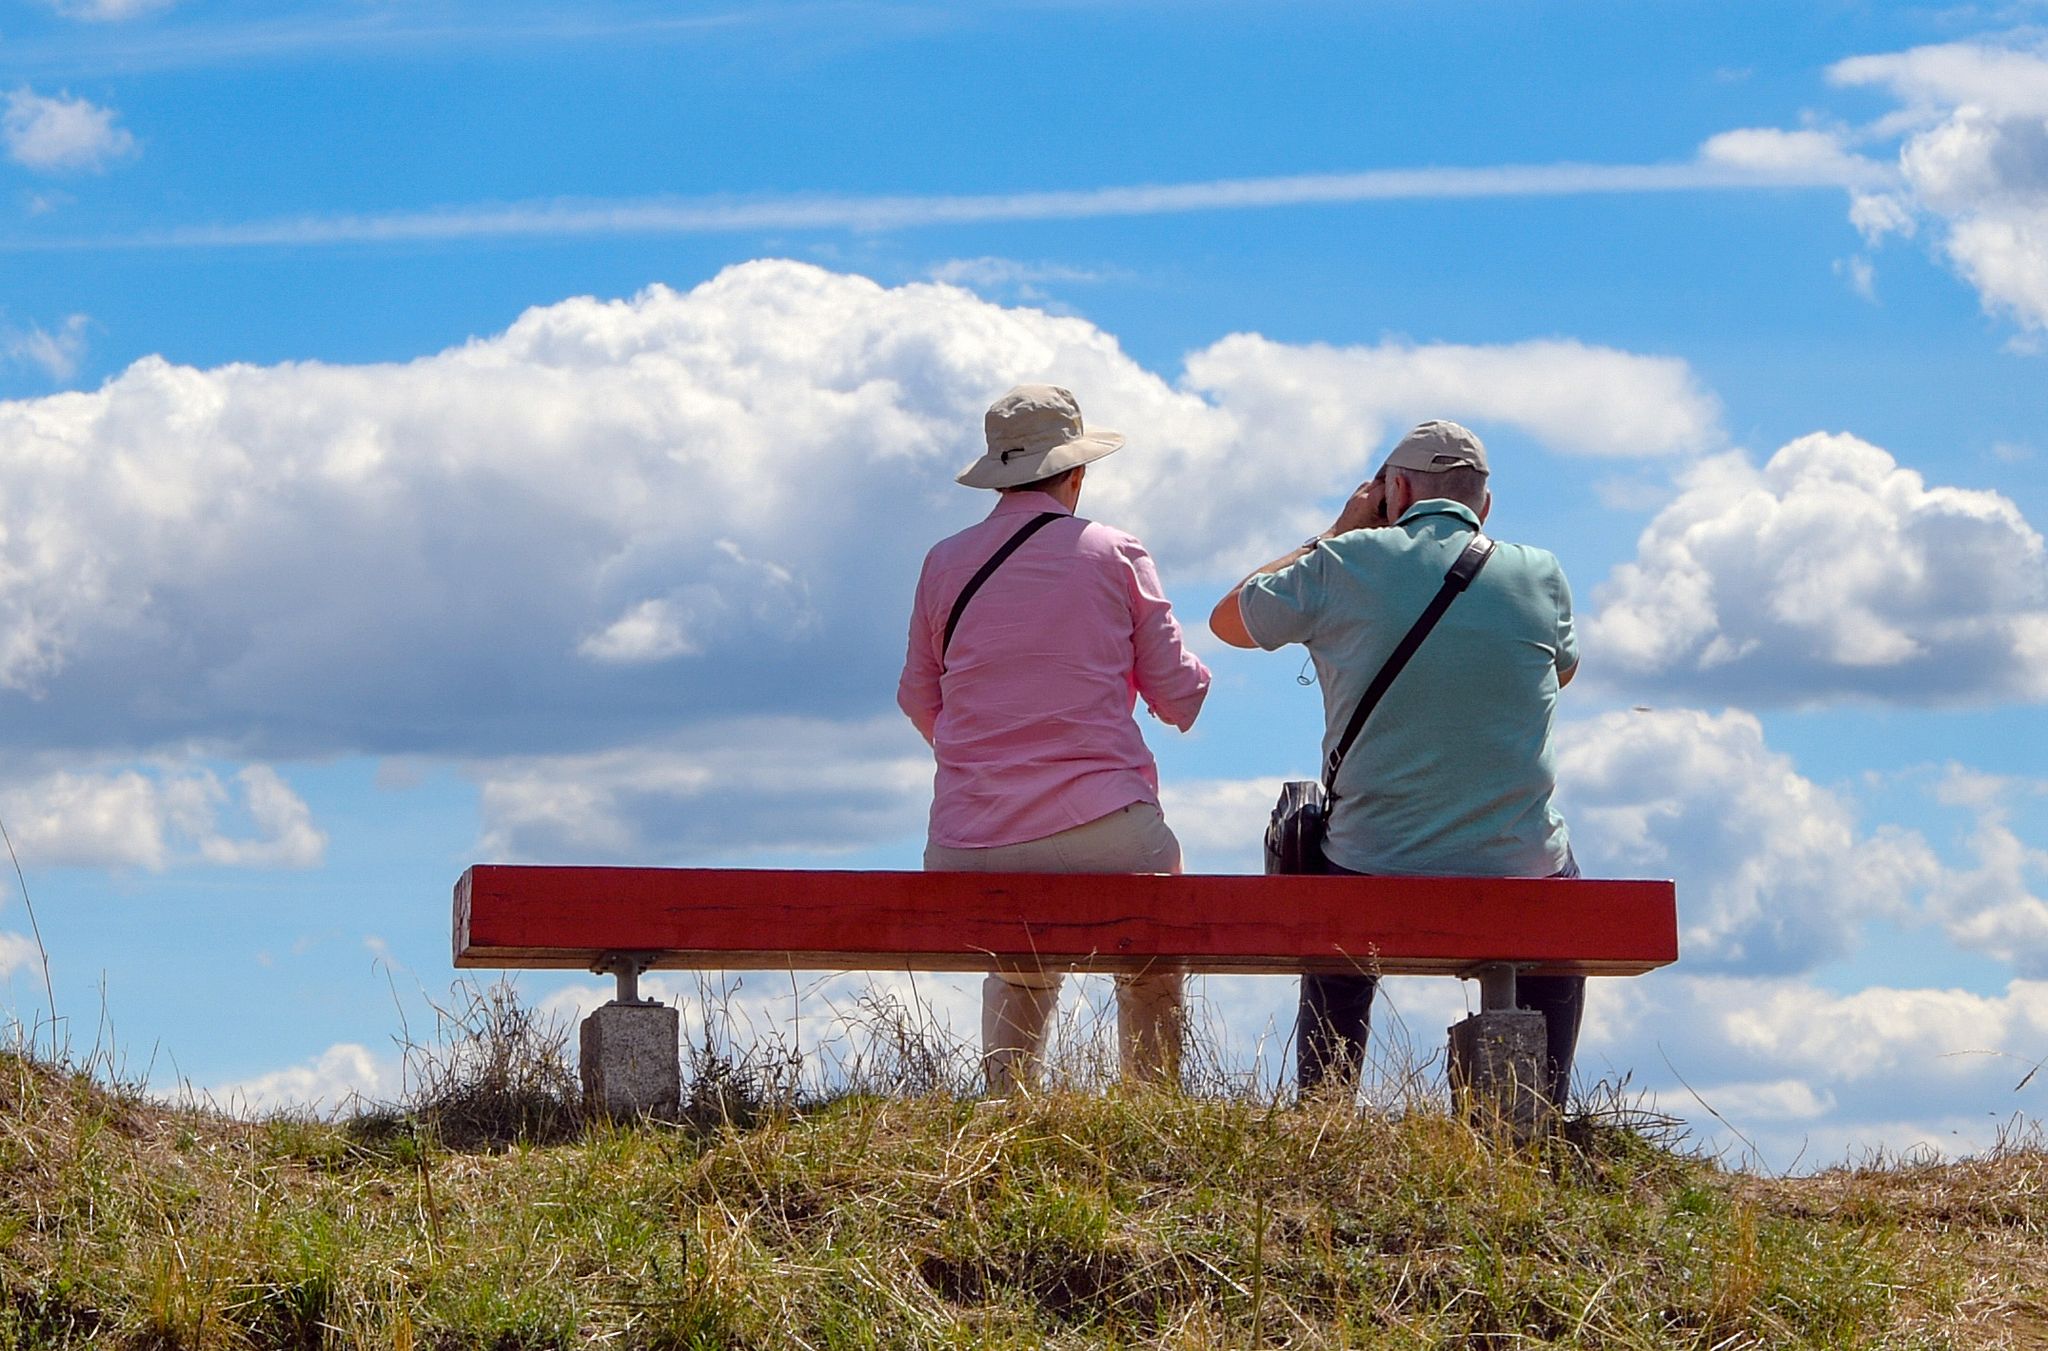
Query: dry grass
(782, 1217)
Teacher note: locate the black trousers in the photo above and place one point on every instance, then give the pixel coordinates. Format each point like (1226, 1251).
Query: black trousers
(1336, 1015)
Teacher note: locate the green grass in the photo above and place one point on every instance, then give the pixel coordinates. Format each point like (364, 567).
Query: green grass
(1071, 1219)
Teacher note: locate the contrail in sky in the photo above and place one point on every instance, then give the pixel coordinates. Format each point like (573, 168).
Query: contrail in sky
(564, 218)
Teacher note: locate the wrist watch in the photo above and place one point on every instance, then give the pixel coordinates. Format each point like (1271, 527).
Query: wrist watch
(1311, 542)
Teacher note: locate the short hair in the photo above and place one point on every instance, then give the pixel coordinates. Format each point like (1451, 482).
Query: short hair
(1042, 485)
(1461, 483)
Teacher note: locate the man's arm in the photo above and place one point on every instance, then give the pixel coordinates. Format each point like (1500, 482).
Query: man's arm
(1367, 507)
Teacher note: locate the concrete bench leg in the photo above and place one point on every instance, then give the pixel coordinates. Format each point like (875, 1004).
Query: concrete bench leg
(1497, 1061)
(1497, 1071)
(631, 1050)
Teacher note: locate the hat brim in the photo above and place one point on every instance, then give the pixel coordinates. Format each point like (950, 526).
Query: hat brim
(990, 472)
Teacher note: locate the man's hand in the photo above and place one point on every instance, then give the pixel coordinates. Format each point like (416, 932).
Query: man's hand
(1365, 509)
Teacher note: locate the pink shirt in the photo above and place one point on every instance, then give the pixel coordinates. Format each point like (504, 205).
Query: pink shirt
(1031, 716)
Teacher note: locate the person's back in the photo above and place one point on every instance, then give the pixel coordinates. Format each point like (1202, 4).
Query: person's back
(1032, 636)
(1453, 772)
(1033, 731)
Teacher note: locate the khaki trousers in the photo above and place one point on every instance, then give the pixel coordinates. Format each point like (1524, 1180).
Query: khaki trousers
(1017, 1006)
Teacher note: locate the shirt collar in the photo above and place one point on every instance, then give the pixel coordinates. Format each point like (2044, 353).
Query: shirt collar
(1440, 506)
(1016, 504)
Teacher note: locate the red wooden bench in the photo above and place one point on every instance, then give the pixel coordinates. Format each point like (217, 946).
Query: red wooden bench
(624, 921)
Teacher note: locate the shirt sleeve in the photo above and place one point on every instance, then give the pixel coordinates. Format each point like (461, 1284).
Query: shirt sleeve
(1173, 680)
(1284, 606)
(1567, 636)
(917, 690)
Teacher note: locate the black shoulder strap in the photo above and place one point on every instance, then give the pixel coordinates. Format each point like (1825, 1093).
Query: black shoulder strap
(1456, 580)
(1031, 527)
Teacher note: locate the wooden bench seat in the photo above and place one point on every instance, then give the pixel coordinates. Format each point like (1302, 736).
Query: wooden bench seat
(748, 919)
(625, 921)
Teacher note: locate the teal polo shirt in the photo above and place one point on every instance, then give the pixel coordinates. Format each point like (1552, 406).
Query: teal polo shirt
(1454, 771)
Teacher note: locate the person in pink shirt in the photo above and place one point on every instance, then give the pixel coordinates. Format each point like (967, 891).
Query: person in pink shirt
(1023, 672)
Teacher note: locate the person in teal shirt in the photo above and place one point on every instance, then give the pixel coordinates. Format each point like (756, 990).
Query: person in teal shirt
(1453, 774)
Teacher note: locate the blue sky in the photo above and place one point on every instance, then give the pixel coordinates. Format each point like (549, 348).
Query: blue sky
(435, 432)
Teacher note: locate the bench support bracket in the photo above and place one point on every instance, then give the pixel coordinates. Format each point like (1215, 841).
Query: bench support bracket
(1496, 986)
(627, 967)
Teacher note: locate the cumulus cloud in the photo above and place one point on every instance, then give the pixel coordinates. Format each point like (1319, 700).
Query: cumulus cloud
(328, 1083)
(153, 817)
(56, 132)
(1774, 873)
(1829, 572)
(1973, 118)
(617, 517)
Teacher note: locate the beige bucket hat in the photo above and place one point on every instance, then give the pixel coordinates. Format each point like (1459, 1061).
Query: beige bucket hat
(1034, 432)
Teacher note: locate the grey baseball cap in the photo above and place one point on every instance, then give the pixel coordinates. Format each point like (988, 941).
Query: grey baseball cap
(1436, 446)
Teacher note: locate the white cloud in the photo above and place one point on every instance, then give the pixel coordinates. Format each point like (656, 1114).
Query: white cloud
(56, 355)
(1829, 572)
(109, 11)
(1773, 873)
(621, 517)
(1813, 1075)
(330, 1082)
(1769, 1100)
(2003, 81)
(649, 631)
(58, 132)
(285, 834)
(1805, 157)
(709, 792)
(1860, 274)
(1576, 398)
(17, 953)
(157, 817)
(1974, 118)
(1221, 823)
(1877, 215)
(1007, 274)
(1993, 907)
(1752, 160)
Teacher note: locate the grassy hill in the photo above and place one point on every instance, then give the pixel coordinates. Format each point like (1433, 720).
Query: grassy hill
(938, 1221)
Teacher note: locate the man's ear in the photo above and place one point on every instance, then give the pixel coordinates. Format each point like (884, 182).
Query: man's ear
(1407, 496)
(1485, 506)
